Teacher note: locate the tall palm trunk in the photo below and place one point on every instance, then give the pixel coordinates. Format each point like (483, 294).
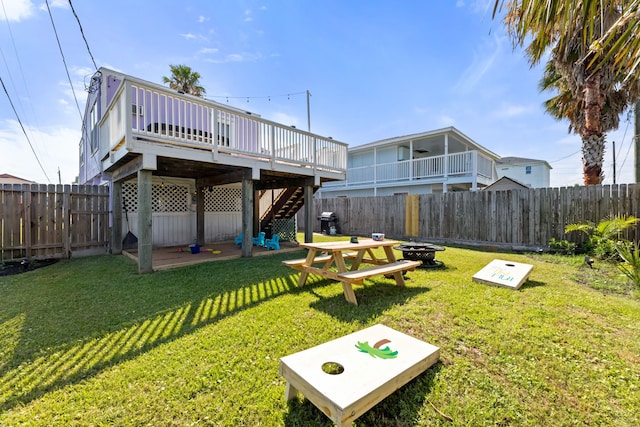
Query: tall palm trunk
(593, 137)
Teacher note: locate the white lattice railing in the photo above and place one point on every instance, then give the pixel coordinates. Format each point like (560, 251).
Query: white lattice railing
(427, 167)
(156, 113)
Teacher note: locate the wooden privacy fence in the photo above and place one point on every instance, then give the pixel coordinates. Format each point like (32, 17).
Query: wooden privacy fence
(512, 218)
(52, 221)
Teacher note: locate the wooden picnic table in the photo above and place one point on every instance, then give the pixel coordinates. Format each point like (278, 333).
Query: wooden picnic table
(334, 254)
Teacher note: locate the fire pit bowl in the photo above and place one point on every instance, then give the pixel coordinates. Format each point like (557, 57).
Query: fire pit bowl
(420, 251)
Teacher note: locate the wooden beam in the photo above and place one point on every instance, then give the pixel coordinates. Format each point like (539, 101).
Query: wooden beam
(127, 170)
(269, 184)
(225, 178)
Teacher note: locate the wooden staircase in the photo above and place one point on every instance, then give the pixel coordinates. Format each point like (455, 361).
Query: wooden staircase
(288, 203)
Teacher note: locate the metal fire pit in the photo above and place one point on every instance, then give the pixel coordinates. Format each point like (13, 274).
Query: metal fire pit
(418, 251)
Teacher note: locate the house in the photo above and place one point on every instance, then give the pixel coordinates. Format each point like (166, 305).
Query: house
(531, 172)
(184, 169)
(429, 162)
(5, 178)
(505, 183)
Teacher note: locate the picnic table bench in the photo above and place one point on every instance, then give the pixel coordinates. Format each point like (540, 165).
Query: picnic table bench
(335, 254)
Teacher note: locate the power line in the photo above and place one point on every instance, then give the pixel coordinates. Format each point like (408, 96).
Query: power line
(24, 80)
(23, 130)
(64, 61)
(565, 157)
(83, 37)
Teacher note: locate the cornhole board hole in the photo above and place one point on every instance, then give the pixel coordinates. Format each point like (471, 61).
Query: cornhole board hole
(508, 274)
(346, 377)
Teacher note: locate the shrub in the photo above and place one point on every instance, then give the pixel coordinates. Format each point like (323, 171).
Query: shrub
(630, 267)
(563, 247)
(604, 237)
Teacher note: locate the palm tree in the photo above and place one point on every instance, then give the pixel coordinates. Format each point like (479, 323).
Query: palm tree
(185, 80)
(568, 105)
(620, 41)
(559, 26)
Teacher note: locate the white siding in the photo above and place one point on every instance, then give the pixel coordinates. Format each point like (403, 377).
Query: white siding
(538, 178)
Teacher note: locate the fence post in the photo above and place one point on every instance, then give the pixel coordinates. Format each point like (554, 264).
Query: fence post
(66, 218)
(28, 220)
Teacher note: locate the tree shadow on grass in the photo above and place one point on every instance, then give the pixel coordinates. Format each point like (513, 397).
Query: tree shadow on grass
(86, 315)
(400, 408)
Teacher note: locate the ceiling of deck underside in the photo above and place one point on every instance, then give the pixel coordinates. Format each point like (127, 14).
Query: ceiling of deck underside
(214, 173)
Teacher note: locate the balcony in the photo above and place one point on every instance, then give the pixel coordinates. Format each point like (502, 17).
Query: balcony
(461, 165)
(142, 117)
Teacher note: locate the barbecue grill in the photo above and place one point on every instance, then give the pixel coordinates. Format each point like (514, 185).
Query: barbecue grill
(327, 220)
(420, 251)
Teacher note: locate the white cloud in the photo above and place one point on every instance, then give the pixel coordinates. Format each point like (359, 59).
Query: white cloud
(16, 10)
(478, 6)
(236, 57)
(208, 50)
(445, 121)
(61, 4)
(191, 36)
(483, 60)
(55, 148)
(508, 111)
(202, 19)
(285, 119)
(247, 16)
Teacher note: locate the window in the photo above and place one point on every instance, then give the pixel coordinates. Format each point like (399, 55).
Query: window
(527, 170)
(225, 129)
(93, 127)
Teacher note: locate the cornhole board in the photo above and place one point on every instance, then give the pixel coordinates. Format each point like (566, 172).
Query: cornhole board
(376, 361)
(508, 274)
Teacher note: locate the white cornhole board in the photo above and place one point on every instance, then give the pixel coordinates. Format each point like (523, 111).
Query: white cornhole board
(508, 274)
(377, 361)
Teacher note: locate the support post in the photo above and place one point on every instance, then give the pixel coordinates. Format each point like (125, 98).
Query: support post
(116, 217)
(308, 213)
(145, 230)
(247, 217)
(200, 214)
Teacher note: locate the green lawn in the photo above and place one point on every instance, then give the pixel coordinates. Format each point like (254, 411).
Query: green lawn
(90, 342)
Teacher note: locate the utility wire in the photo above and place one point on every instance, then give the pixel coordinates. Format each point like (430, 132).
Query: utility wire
(24, 80)
(565, 157)
(23, 130)
(63, 59)
(15, 50)
(83, 37)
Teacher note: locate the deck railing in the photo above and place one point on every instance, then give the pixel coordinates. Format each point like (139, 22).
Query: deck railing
(159, 114)
(453, 164)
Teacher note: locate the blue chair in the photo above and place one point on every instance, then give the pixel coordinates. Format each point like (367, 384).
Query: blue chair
(273, 242)
(238, 239)
(259, 240)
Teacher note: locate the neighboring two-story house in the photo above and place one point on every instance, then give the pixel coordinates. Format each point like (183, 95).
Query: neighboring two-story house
(530, 172)
(183, 169)
(430, 162)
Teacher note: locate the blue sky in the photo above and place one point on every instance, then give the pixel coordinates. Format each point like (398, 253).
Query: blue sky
(375, 70)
